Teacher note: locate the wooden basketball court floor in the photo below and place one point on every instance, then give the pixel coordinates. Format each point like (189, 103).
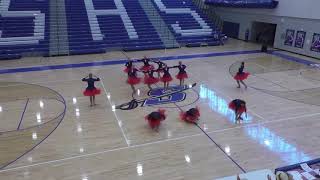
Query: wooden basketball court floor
(49, 131)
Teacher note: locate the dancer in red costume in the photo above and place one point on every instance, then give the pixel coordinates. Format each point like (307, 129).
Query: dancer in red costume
(240, 76)
(91, 90)
(161, 65)
(182, 73)
(146, 65)
(191, 116)
(239, 107)
(149, 79)
(133, 78)
(154, 119)
(128, 66)
(166, 78)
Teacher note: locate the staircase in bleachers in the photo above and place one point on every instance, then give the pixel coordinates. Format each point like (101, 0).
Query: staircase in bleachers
(35, 27)
(23, 28)
(190, 26)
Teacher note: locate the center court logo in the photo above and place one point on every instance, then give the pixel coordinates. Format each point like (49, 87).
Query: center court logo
(158, 97)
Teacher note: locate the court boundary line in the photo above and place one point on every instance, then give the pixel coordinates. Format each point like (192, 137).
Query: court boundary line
(115, 115)
(22, 115)
(156, 142)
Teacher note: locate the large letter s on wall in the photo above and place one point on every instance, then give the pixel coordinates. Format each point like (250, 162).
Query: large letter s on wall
(205, 29)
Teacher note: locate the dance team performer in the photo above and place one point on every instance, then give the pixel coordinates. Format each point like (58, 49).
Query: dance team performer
(154, 119)
(161, 65)
(146, 65)
(133, 78)
(149, 79)
(239, 107)
(166, 78)
(128, 65)
(182, 73)
(241, 75)
(91, 90)
(190, 116)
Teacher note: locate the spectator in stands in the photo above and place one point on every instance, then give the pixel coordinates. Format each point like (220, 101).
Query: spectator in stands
(91, 90)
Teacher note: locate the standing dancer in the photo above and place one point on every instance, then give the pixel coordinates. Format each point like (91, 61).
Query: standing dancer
(150, 79)
(182, 73)
(191, 116)
(133, 79)
(166, 78)
(154, 119)
(146, 66)
(240, 76)
(239, 107)
(128, 65)
(161, 65)
(91, 90)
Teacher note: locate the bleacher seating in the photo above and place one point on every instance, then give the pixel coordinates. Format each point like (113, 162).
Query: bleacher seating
(95, 26)
(130, 31)
(23, 28)
(268, 4)
(188, 24)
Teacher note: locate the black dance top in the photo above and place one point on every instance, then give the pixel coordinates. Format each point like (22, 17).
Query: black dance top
(90, 82)
(182, 68)
(192, 112)
(146, 61)
(238, 102)
(155, 116)
(160, 65)
(166, 71)
(240, 71)
(129, 64)
(132, 72)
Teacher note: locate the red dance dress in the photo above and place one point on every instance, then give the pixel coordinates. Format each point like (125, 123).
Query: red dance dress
(91, 90)
(154, 119)
(190, 116)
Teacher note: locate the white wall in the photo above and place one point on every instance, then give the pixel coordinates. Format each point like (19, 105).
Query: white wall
(245, 18)
(309, 9)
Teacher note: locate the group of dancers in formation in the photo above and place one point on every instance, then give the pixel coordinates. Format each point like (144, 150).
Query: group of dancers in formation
(154, 118)
(148, 70)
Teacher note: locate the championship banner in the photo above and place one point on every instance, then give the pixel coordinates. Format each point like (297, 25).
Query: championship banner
(289, 37)
(315, 45)
(300, 37)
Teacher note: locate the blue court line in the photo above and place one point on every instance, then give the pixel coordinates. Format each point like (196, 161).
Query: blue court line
(292, 58)
(24, 110)
(121, 61)
(166, 58)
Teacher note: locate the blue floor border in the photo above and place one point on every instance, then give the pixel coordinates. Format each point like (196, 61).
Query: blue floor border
(166, 58)
(120, 61)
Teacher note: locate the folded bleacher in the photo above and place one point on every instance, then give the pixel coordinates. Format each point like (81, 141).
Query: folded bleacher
(23, 28)
(189, 25)
(268, 4)
(95, 26)
(43, 28)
